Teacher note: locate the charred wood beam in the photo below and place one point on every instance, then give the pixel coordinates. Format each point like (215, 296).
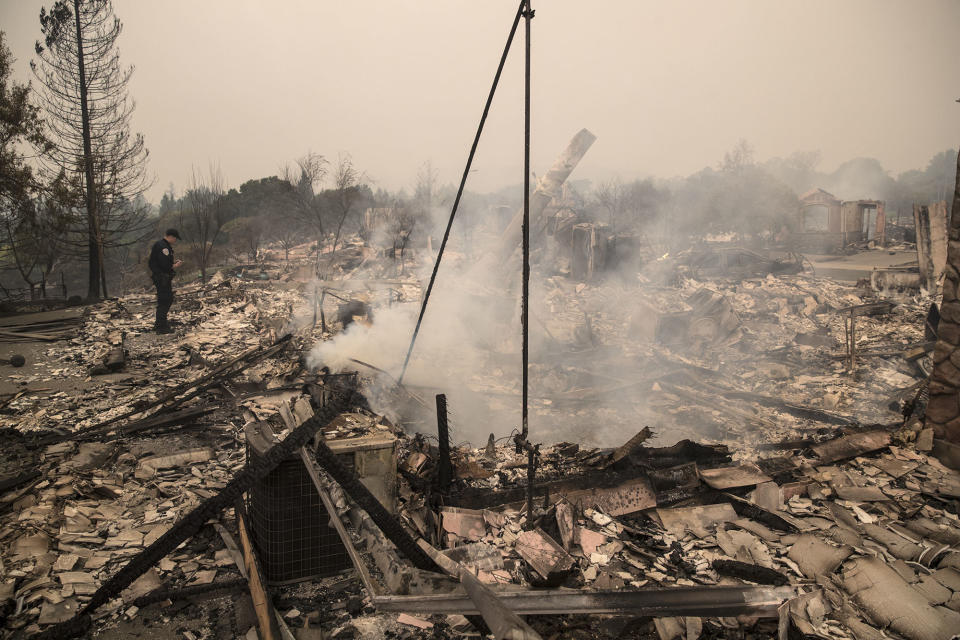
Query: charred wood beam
(337, 523)
(800, 411)
(181, 417)
(680, 453)
(164, 593)
(387, 523)
(262, 605)
(191, 523)
(168, 400)
(12, 482)
(244, 360)
(20, 336)
(700, 379)
(482, 499)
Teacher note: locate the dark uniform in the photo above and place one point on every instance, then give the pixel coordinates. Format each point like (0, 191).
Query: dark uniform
(161, 269)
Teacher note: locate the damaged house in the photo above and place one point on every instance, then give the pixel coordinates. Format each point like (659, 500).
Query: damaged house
(827, 224)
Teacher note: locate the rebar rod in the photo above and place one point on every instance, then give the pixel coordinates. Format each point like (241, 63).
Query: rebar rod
(443, 435)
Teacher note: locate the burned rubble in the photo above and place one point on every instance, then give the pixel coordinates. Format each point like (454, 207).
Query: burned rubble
(783, 482)
(719, 404)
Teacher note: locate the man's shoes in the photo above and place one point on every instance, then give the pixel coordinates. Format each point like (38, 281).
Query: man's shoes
(164, 330)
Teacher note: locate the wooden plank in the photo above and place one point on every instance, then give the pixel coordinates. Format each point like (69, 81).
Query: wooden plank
(232, 547)
(266, 619)
(285, 632)
(31, 336)
(64, 316)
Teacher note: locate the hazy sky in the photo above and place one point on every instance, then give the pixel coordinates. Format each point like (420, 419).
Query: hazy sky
(666, 86)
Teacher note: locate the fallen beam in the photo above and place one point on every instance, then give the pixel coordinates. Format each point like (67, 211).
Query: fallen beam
(385, 521)
(164, 593)
(548, 187)
(337, 523)
(167, 400)
(681, 601)
(157, 421)
(190, 523)
(503, 623)
(32, 336)
(266, 620)
(601, 482)
(12, 482)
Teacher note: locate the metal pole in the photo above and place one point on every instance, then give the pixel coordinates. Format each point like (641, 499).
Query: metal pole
(525, 296)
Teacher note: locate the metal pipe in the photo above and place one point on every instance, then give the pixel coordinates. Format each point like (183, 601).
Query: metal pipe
(525, 295)
(726, 601)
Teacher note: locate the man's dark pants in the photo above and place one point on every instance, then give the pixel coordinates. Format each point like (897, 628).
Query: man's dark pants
(164, 286)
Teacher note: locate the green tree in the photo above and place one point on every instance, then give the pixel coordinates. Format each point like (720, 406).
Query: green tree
(20, 128)
(29, 227)
(272, 202)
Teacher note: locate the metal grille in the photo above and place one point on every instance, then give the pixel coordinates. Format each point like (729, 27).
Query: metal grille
(290, 527)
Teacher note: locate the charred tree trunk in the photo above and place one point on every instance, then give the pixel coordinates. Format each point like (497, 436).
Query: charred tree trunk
(548, 187)
(94, 256)
(943, 410)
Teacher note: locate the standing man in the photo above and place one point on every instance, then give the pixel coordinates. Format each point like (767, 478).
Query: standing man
(162, 267)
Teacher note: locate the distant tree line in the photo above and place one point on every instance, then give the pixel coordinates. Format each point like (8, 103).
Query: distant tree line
(757, 200)
(218, 223)
(73, 178)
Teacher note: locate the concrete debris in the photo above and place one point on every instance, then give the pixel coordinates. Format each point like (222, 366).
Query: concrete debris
(730, 477)
(697, 520)
(148, 467)
(816, 557)
(543, 554)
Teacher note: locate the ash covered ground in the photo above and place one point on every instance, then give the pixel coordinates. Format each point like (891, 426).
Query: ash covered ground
(696, 432)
